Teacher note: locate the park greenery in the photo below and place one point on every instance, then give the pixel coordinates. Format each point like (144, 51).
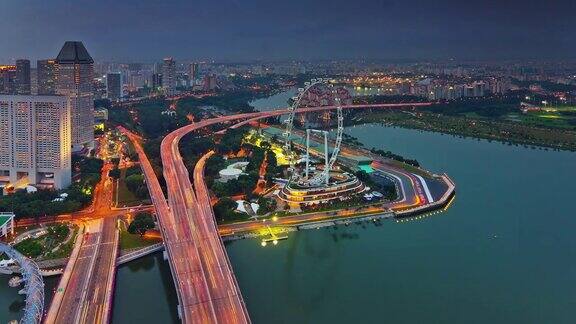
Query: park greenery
(390, 155)
(141, 223)
(45, 202)
(266, 205)
(45, 245)
(494, 118)
(224, 211)
(512, 133)
(232, 143)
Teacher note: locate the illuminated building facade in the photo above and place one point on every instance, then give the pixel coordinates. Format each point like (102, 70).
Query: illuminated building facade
(23, 84)
(7, 79)
(193, 74)
(114, 86)
(46, 70)
(169, 74)
(35, 140)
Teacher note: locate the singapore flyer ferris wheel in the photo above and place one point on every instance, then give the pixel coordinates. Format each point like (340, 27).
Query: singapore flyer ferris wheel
(308, 178)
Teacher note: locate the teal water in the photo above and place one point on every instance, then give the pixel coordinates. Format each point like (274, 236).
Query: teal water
(503, 253)
(12, 304)
(277, 101)
(144, 292)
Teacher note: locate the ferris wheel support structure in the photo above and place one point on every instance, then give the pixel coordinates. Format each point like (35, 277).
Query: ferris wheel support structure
(324, 176)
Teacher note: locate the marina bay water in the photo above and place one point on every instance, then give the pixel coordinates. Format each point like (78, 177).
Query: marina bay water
(504, 252)
(12, 304)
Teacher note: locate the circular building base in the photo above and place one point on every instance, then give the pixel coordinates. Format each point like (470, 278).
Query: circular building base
(340, 185)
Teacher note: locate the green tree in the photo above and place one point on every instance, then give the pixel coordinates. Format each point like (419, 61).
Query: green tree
(224, 209)
(141, 223)
(114, 173)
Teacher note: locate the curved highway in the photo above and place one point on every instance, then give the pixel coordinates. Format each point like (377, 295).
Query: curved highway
(205, 283)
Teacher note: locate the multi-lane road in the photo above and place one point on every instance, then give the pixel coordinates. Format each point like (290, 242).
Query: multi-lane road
(87, 290)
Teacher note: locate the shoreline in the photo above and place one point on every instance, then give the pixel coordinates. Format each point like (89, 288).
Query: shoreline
(441, 204)
(502, 140)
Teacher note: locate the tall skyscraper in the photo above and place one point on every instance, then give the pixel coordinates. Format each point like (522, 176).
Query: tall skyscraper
(46, 70)
(23, 85)
(169, 74)
(7, 79)
(210, 82)
(35, 141)
(114, 86)
(193, 73)
(156, 80)
(74, 77)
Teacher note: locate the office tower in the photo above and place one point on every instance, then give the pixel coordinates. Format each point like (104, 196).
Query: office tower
(114, 86)
(156, 80)
(23, 77)
(7, 79)
(35, 140)
(46, 70)
(210, 82)
(74, 77)
(34, 81)
(169, 74)
(193, 73)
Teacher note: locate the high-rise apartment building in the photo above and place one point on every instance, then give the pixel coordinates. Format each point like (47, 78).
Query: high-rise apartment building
(210, 82)
(35, 140)
(74, 77)
(114, 86)
(169, 74)
(23, 85)
(193, 73)
(7, 79)
(46, 70)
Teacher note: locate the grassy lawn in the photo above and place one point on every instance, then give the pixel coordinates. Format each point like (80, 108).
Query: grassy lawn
(521, 133)
(42, 246)
(65, 249)
(559, 119)
(125, 197)
(133, 241)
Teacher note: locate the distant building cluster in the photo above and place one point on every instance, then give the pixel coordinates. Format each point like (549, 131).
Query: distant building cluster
(42, 122)
(439, 89)
(323, 96)
(119, 80)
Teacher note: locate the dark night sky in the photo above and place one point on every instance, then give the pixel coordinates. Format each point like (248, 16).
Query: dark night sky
(300, 29)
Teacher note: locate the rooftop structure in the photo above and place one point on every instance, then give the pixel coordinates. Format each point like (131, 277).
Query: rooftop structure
(74, 52)
(6, 224)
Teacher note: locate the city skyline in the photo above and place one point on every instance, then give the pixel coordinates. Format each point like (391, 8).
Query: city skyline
(252, 161)
(256, 30)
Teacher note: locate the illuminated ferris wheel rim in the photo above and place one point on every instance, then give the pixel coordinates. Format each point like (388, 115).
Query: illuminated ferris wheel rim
(290, 125)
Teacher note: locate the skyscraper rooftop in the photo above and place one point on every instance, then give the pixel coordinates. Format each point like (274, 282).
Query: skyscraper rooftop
(74, 52)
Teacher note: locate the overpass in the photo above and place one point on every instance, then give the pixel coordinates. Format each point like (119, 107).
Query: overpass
(205, 283)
